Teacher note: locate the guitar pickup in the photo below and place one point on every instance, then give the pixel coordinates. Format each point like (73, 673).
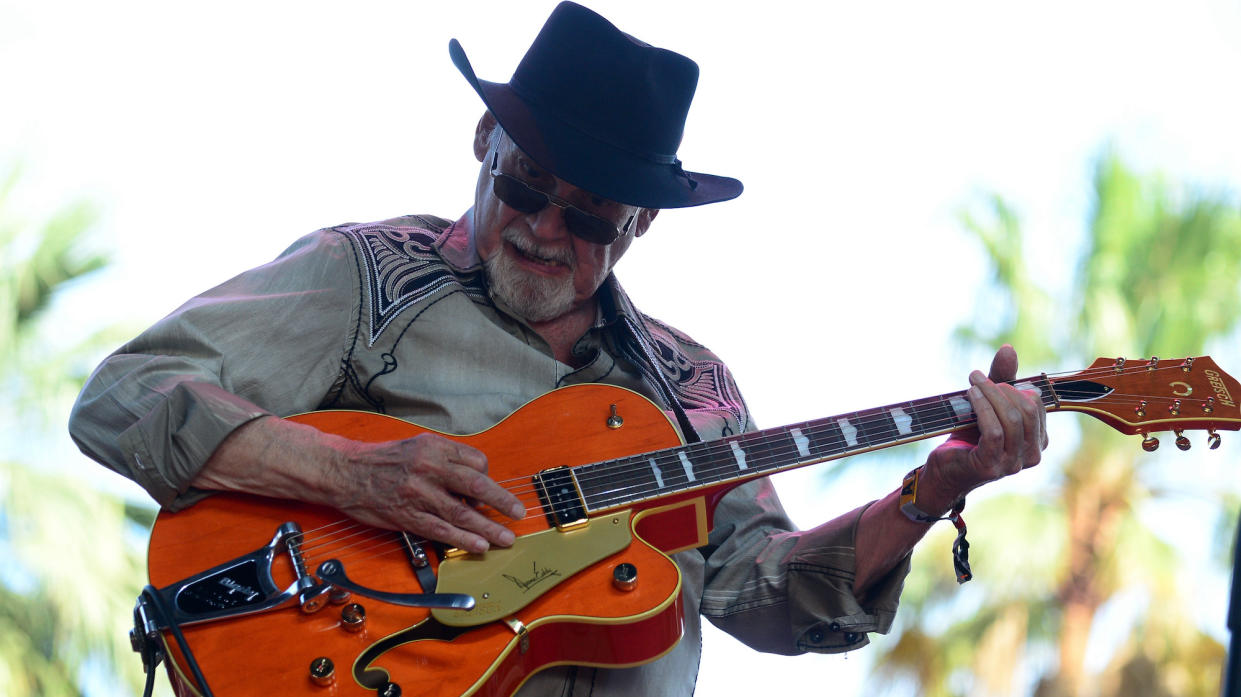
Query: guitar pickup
(561, 498)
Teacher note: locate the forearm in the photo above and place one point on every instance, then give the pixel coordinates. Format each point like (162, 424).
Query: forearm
(274, 457)
(885, 535)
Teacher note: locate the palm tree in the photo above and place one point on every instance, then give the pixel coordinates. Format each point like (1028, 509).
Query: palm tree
(72, 566)
(1157, 276)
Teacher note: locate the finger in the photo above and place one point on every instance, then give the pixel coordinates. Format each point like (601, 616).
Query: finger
(1008, 408)
(483, 489)
(449, 519)
(470, 478)
(462, 454)
(464, 517)
(990, 439)
(1034, 418)
(432, 527)
(1004, 364)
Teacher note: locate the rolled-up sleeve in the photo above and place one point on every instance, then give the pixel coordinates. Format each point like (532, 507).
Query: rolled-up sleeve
(269, 341)
(789, 592)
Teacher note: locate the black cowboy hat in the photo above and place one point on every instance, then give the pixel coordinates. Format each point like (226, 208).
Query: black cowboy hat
(603, 111)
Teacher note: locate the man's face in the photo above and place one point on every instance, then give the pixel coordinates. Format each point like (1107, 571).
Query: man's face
(533, 263)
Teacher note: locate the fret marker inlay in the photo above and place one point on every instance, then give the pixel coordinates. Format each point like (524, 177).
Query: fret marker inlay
(848, 431)
(802, 442)
(739, 454)
(689, 469)
(904, 422)
(961, 407)
(659, 475)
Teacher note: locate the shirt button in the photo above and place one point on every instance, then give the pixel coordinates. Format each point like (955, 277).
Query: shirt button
(835, 627)
(816, 635)
(851, 637)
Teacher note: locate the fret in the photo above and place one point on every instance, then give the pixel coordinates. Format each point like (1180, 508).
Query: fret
(616, 481)
(828, 439)
(721, 460)
(776, 449)
(876, 427)
(932, 415)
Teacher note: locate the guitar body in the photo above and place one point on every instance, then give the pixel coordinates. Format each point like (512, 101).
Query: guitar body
(582, 616)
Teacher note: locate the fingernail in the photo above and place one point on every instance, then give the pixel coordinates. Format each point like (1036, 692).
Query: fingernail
(517, 512)
(506, 538)
(479, 546)
(977, 378)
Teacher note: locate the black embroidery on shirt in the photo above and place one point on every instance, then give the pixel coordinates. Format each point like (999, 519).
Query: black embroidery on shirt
(390, 365)
(347, 376)
(700, 385)
(353, 381)
(400, 269)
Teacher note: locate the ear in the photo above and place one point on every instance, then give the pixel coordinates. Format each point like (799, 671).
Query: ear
(482, 135)
(645, 216)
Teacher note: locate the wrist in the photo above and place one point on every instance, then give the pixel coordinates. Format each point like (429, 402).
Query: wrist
(924, 497)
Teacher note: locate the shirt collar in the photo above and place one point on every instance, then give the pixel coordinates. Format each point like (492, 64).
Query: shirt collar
(455, 245)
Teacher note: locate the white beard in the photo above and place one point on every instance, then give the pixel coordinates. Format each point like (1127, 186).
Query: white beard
(532, 297)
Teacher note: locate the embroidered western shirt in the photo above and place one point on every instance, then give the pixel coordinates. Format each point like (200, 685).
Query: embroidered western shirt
(395, 317)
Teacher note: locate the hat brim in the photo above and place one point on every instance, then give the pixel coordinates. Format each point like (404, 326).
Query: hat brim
(588, 162)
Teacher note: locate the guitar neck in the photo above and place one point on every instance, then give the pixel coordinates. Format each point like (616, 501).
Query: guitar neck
(662, 473)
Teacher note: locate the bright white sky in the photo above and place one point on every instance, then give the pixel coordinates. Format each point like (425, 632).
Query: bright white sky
(212, 135)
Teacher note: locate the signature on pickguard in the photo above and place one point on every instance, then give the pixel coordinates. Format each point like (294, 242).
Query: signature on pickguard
(537, 575)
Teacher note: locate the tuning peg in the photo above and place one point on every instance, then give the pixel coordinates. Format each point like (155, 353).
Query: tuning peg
(1212, 439)
(1181, 441)
(1150, 444)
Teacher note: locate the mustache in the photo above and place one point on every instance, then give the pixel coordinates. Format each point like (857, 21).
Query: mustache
(558, 253)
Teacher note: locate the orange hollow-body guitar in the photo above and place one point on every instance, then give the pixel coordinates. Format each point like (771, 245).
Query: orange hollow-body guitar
(586, 619)
(610, 490)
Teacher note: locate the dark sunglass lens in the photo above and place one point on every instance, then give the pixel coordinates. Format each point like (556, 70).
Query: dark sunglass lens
(588, 227)
(517, 195)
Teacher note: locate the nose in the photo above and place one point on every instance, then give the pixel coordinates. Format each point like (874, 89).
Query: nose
(548, 224)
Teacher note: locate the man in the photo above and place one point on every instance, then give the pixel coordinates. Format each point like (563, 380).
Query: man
(453, 325)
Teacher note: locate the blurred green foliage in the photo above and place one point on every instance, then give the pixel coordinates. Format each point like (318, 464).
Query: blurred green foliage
(73, 562)
(1157, 275)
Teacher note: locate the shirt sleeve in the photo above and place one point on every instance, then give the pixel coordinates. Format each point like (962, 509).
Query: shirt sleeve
(272, 340)
(785, 591)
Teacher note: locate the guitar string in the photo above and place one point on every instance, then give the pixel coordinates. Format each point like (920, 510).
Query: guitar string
(710, 475)
(863, 421)
(879, 417)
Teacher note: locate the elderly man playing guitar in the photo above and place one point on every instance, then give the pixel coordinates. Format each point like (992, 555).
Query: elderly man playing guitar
(454, 325)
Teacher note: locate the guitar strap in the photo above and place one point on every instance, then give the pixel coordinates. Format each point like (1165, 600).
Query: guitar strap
(655, 376)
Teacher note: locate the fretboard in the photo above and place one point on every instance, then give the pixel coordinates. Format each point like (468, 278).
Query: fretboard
(629, 480)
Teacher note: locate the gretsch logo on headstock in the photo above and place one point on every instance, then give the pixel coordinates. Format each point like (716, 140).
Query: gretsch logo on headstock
(1221, 390)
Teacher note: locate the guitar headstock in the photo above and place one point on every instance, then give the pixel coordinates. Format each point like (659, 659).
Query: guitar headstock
(1149, 395)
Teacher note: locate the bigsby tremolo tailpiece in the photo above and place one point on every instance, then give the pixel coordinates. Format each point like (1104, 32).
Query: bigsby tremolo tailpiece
(245, 586)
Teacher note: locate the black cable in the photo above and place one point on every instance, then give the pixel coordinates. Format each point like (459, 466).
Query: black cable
(161, 611)
(150, 681)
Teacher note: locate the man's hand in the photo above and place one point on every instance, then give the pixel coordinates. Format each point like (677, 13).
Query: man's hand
(427, 485)
(418, 485)
(1010, 436)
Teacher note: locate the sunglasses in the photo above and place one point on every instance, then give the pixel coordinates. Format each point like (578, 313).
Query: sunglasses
(518, 195)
